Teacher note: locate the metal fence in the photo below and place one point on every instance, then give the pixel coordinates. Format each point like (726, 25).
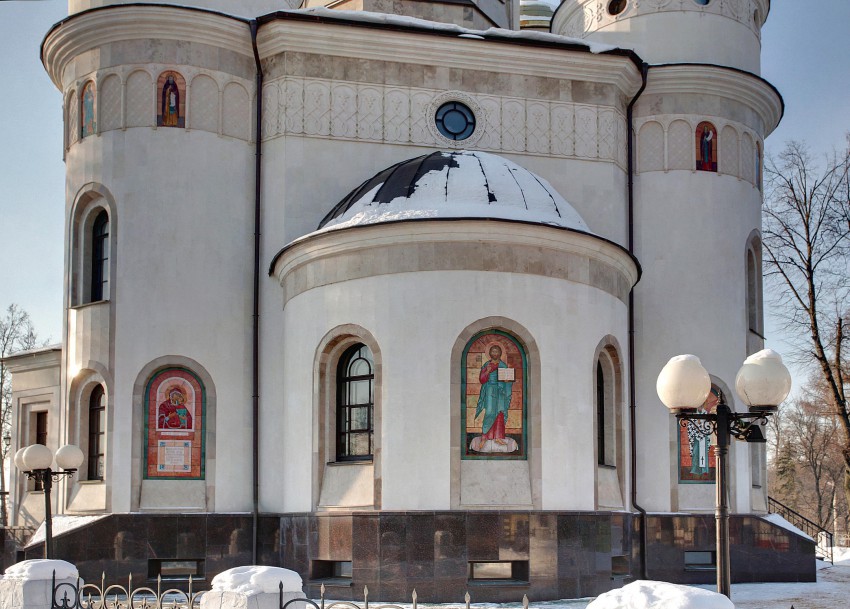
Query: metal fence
(323, 604)
(77, 595)
(67, 595)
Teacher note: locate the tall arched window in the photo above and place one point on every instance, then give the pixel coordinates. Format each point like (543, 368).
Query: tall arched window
(606, 450)
(100, 258)
(600, 414)
(355, 404)
(97, 432)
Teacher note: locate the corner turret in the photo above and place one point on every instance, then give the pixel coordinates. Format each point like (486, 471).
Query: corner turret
(720, 32)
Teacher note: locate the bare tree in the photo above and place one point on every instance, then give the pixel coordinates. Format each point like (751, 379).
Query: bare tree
(807, 252)
(16, 334)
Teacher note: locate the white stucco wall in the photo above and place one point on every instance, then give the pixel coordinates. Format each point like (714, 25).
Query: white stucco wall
(183, 256)
(416, 319)
(692, 241)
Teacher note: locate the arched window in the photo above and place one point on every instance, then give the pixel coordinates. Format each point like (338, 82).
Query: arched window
(606, 453)
(355, 384)
(97, 432)
(100, 258)
(755, 329)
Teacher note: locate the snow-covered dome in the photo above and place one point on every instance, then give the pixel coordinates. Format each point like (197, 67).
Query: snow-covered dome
(454, 184)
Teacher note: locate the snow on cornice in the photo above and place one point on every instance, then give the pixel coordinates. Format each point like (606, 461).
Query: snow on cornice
(448, 28)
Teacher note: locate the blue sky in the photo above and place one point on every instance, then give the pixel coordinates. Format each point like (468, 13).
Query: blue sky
(805, 55)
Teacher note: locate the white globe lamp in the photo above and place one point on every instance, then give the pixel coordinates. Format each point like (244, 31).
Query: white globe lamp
(37, 456)
(69, 457)
(19, 458)
(683, 383)
(763, 382)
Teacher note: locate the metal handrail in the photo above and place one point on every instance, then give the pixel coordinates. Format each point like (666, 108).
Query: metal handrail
(823, 537)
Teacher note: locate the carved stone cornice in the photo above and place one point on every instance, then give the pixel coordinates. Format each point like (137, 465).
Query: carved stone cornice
(334, 256)
(424, 47)
(89, 30)
(706, 79)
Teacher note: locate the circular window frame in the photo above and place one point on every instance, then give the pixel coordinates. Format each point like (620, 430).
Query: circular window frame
(612, 5)
(457, 97)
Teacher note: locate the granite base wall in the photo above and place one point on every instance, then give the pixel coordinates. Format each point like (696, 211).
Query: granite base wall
(568, 554)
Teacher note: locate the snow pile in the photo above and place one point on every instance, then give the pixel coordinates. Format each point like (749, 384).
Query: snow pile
(660, 595)
(422, 24)
(841, 556)
(63, 524)
(257, 580)
(41, 568)
(471, 184)
(781, 522)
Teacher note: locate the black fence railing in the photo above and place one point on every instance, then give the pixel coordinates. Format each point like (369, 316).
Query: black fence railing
(823, 538)
(77, 595)
(324, 604)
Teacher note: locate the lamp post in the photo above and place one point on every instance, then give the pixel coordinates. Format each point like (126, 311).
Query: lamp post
(35, 461)
(762, 383)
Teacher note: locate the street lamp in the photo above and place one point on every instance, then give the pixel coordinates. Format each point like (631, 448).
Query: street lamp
(35, 461)
(762, 383)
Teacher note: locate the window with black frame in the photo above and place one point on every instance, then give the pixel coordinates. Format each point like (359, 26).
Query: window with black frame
(100, 258)
(97, 432)
(355, 404)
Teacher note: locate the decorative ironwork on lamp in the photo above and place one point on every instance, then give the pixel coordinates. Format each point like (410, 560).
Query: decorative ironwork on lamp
(35, 462)
(762, 383)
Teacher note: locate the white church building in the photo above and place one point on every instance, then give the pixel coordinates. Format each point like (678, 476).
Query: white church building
(378, 291)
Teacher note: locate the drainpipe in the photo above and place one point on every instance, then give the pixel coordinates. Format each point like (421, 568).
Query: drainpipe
(632, 393)
(255, 356)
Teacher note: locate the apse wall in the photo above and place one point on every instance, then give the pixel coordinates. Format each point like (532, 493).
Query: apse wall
(418, 324)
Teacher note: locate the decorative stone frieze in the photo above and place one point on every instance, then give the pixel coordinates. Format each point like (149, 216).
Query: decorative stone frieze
(666, 142)
(386, 113)
(127, 97)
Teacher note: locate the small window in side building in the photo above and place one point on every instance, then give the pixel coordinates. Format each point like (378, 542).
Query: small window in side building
(175, 569)
(620, 566)
(331, 570)
(700, 561)
(508, 571)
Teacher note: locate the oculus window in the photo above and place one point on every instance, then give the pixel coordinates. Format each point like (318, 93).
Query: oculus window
(615, 7)
(455, 120)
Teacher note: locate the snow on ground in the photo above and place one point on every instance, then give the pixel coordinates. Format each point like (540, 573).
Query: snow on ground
(841, 556)
(649, 594)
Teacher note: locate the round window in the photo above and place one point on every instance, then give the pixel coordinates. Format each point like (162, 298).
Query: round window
(455, 120)
(702, 2)
(615, 7)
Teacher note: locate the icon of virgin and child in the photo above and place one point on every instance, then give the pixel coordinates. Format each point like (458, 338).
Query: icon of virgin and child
(494, 401)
